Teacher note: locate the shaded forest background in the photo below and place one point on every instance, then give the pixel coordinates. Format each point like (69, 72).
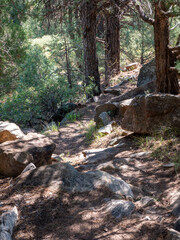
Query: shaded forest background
(46, 59)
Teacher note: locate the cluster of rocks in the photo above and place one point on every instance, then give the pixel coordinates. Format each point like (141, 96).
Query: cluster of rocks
(17, 150)
(141, 110)
(29, 157)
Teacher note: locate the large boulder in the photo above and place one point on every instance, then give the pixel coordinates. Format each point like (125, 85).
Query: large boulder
(65, 177)
(151, 112)
(9, 132)
(16, 155)
(147, 73)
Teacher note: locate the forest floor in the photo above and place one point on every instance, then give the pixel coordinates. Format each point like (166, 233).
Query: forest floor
(68, 216)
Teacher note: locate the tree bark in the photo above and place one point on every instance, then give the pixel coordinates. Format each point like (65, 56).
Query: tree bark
(112, 45)
(167, 81)
(88, 19)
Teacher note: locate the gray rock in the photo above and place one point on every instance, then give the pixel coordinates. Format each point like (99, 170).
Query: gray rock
(107, 166)
(112, 108)
(103, 119)
(140, 154)
(150, 113)
(96, 99)
(115, 141)
(96, 155)
(168, 165)
(16, 155)
(7, 223)
(117, 186)
(147, 73)
(173, 235)
(29, 167)
(9, 132)
(108, 128)
(64, 176)
(145, 202)
(119, 208)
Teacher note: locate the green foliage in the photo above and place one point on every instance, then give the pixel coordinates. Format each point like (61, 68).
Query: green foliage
(53, 127)
(136, 40)
(41, 90)
(12, 39)
(92, 132)
(163, 144)
(73, 116)
(178, 66)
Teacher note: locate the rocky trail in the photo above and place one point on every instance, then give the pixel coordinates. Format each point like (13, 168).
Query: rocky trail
(107, 189)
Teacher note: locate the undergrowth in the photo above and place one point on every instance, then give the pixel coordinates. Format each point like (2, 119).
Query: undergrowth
(73, 116)
(164, 144)
(92, 133)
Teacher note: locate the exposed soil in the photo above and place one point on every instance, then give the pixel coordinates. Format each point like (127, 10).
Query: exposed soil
(64, 216)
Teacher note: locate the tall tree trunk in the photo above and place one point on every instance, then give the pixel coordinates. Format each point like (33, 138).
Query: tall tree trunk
(112, 45)
(166, 81)
(88, 18)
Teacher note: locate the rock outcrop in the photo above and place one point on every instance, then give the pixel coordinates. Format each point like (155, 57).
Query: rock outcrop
(9, 132)
(151, 112)
(64, 176)
(16, 155)
(147, 73)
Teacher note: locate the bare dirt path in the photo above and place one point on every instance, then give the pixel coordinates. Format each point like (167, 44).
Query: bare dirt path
(66, 216)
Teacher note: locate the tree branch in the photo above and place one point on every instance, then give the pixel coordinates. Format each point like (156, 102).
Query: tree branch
(175, 26)
(142, 14)
(176, 48)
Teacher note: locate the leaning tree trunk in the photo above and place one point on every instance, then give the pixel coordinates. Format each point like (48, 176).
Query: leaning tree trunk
(112, 45)
(166, 81)
(88, 18)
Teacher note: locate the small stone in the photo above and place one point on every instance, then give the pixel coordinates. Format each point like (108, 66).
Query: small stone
(145, 202)
(115, 141)
(119, 145)
(140, 154)
(147, 218)
(104, 118)
(168, 165)
(96, 99)
(108, 128)
(29, 167)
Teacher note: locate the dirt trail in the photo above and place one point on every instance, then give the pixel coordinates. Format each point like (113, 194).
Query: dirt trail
(68, 216)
